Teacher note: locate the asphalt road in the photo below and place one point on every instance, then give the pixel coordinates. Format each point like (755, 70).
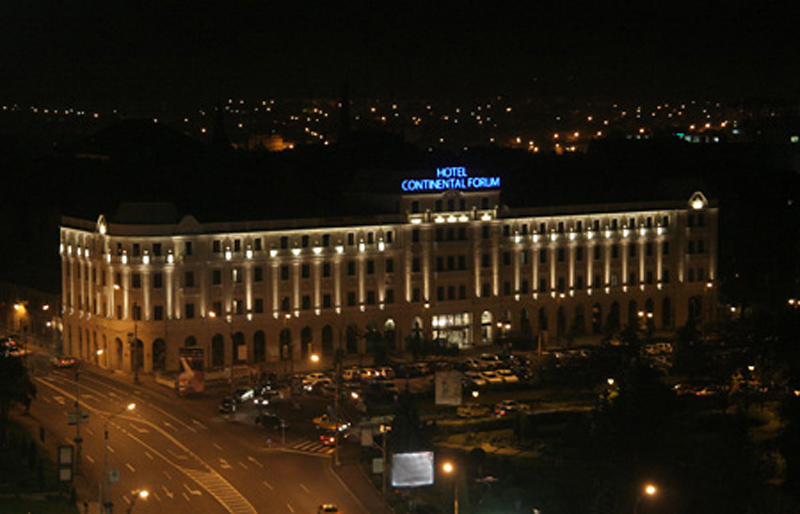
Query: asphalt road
(191, 458)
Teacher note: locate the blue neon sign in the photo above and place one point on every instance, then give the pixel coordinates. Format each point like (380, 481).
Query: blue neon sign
(454, 177)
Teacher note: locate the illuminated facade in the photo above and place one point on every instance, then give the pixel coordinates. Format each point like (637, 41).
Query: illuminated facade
(451, 265)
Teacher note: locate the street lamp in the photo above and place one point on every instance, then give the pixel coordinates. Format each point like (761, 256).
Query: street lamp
(450, 469)
(108, 506)
(648, 491)
(143, 494)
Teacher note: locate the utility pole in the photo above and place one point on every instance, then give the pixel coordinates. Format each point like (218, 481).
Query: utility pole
(135, 353)
(336, 405)
(78, 438)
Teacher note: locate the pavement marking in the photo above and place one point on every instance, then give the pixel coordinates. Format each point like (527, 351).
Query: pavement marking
(218, 447)
(127, 465)
(304, 488)
(310, 446)
(201, 425)
(155, 493)
(169, 425)
(169, 493)
(181, 457)
(224, 464)
(148, 455)
(242, 464)
(185, 496)
(89, 458)
(254, 461)
(89, 430)
(268, 485)
(140, 430)
(289, 506)
(60, 400)
(196, 492)
(220, 489)
(166, 473)
(111, 449)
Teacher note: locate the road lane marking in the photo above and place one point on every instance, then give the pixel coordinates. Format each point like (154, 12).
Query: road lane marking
(181, 457)
(111, 449)
(304, 488)
(218, 447)
(140, 430)
(289, 506)
(127, 465)
(254, 461)
(166, 474)
(169, 493)
(60, 400)
(268, 485)
(224, 464)
(242, 464)
(148, 455)
(201, 425)
(185, 496)
(90, 459)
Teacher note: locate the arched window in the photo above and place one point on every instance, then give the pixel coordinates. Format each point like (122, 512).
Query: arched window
(190, 342)
(259, 347)
(695, 308)
(118, 352)
(217, 351)
(327, 341)
(306, 346)
(416, 329)
(138, 356)
(371, 336)
(525, 325)
(633, 313)
(614, 322)
(579, 322)
(287, 351)
(542, 319)
(159, 355)
(561, 322)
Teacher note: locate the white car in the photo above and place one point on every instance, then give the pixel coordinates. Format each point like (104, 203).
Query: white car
(312, 378)
(492, 378)
(508, 376)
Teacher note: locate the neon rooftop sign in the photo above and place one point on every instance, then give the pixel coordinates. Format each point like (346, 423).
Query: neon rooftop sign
(454, 177)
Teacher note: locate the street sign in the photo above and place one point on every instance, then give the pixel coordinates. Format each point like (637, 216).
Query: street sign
(113, 476)
(72, 418)
(65, 460)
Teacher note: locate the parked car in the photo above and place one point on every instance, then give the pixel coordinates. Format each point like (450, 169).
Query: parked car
(227, 405)
(474, 379)
(510, 407)
(509, 378)
(472, 410)
(325, 422)
(328, 508)
(243, 394)
(328, 437)
(267, 396)
(492, 378)
(351, 374)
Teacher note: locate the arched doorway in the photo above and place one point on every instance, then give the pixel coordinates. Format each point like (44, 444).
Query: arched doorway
(306, 345)
(118, 352)
(159, 355)
(579, 322)
(390, 333)
(543, 327)
(138, 356)
(286, 344)
(352, 339)
(614, 322)
(633, 313)
(190, 341)
(561, 322)
(259, 346)
(666, 313)
(695, 308)
(486, 327)
(597, 319)
(239, 348)
(327, 341)
(217, 351)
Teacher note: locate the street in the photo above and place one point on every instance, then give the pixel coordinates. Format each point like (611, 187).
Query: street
(187, 455)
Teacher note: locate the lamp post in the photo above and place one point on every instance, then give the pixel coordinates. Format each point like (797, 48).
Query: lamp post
(143, 494)
(450, 469)
(648, 491)
(108, 505)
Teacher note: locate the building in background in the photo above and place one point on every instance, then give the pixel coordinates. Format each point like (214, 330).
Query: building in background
(452, 265)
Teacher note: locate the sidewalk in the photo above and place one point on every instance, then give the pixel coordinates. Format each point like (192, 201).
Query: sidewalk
(355, 480)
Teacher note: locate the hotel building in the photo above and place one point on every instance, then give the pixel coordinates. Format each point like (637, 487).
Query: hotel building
(452, 264)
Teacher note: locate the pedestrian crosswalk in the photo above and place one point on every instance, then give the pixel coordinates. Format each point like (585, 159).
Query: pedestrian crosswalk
(310, 446)
(220, 489)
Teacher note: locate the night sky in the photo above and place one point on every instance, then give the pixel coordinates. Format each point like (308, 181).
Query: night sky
(117, 53)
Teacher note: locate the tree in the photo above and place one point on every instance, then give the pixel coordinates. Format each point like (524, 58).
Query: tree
(16, 387)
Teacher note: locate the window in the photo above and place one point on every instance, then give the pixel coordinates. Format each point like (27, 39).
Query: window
(136, 280)
(579, 253)
(237, 275)
(284, 272)
(462, 262)
(370, 267)
(305, 270)
(523, 257)
(237, 245)
(157, 249)
(305, 302)
(691, 275)
(216, 246)
(561, 284)
(189, 310)
(597, 253)
(462, 292)
(258, 306)
(665, 276)
(389, 265)
(187, 248)
(351, 269)
(451, 292)
(439, 263)
(690, 249)
(158, 280)
(462, 233)
(351, 239)
(326, 240)
(542, 285)
(525, 287)
(614, 280)
(486, 260)
(486, 231)
(416, 296)
(632, 278)
(284, 242)
(415, 235)
(216, 277)
(286, 304)
(506, 258)
(136, 250)
(506, 230)
(440, 293)
(596, 282)
(257, 244)
(217, 308)
(451, 204)
(614, 251)
(484, 202)
(665, 248)
(370, 238)
(543, 256)
(415, 206)
(506, 288)
(701, 275)
(648, 249)
(370, 297)
(701, 246)
(326, 300)
(579, 282)
(649, 277)
(438, 205)
(415, 264)
(390, 236)
(632, 250)
(326, 269)
(158, 312)
(258, 274)
(351, 298)
(451, 263)
(136, 312)
(561, 255)
(389, 296)
(486, 290)
(304, 241)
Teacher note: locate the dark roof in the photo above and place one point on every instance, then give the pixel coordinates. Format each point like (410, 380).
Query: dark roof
(146, 213)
